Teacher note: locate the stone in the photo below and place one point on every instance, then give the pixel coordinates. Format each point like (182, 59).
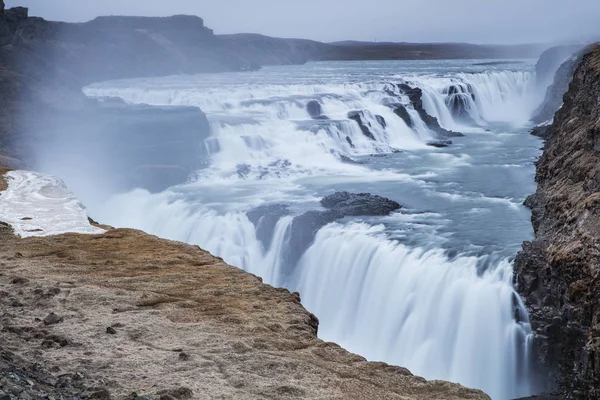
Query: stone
(365, 127)
(557, 272)
(52, 319)
(401, 111)
(314, 109)
(415, 96)
(439, 143)
(111, 331)
(360, 204)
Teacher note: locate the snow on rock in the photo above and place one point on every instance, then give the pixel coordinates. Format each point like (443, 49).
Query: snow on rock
(37, 204)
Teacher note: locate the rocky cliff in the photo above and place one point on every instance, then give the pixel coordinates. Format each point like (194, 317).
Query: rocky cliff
(559, 272)
(554, 72)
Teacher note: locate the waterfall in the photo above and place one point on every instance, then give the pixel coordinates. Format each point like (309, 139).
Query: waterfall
(451, 315)
(258, 126)
(443, 318)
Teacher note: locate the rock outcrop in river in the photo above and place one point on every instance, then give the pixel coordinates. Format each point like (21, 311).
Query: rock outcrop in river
(559, 272)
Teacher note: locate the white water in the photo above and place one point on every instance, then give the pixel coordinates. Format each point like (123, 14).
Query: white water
(409, 303)
(41, 205)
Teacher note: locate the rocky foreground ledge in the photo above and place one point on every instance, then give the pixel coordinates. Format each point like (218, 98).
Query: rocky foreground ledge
(559, 272)
(126, 315)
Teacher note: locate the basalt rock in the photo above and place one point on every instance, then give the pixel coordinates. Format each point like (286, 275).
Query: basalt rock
(401, 111)
(365, 126)
(338, 205)
(558, 273)
(415, 96)
(315, 110)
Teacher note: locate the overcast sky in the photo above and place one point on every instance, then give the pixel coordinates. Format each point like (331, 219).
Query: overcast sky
(475, 21)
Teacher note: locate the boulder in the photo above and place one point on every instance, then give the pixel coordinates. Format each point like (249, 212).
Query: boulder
(359, 204)
(439, 143)
(415, 96)
(315, 110)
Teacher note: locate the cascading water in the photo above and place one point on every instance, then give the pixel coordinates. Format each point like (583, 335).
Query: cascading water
(429, 288)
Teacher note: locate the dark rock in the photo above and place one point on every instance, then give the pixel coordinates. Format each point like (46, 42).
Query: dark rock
(314, 110)
(111, 331)
(540, 131)
(359, 118)
(558, 271)
(415, 96)
(52, 319)
(401, 111)
(339, 205)
(183, 356)
(359, 204)
(264, 219)
(439, 143)
(349, 140)
(381, 121)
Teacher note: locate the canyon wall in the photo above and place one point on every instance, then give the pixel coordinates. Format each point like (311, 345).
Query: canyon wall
(559, 272)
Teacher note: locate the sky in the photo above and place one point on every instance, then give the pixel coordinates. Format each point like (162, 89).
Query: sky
(473, 21)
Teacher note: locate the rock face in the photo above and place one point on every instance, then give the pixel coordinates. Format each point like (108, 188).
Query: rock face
(167, 320)
(560, 83)
(558, 273)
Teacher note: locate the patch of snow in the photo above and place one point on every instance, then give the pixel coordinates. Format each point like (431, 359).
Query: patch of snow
(37, 204)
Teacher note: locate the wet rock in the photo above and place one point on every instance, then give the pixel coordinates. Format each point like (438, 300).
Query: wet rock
(381, 121)
(315, 110)
(360, 204)
(540, 131)
(111, 331)
(415, 96)
(359, 118)
(52, 319)
(401, 111)
(558, 271)
(264, 219)
(439, 143)
(338, 205)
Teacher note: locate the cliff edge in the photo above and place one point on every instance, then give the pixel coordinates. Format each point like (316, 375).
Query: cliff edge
(127, 315)
(559, 272)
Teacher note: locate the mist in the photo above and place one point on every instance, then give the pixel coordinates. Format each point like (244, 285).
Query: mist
(473, 21)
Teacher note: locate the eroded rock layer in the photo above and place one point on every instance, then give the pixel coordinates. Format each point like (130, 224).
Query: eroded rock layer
(559, 272)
